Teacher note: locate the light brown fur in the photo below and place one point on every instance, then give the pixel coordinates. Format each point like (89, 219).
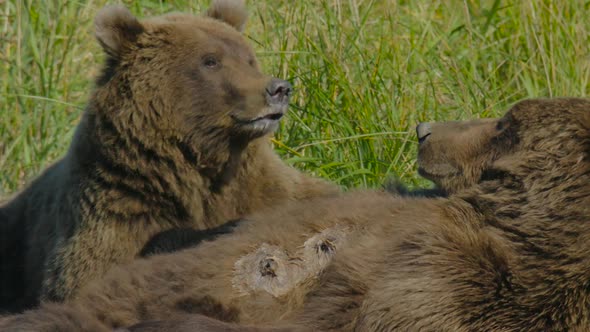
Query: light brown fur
(175, 135)
(508, 253)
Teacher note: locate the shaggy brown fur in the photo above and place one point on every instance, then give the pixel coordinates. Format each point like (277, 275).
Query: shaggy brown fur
(508, 253)
(174, 135)
(196, 323)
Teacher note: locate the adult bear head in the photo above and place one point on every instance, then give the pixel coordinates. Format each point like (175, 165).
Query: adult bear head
(538, 136)
(189, 80)
(454, 154)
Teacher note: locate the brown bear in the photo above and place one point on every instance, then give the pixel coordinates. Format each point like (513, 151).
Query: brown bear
(175, 135)
(507, 252)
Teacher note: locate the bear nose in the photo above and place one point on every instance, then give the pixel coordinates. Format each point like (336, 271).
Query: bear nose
(278, 91)
(423, 130)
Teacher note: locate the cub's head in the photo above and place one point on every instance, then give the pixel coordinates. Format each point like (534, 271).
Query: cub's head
(189, 80)
(537, 141)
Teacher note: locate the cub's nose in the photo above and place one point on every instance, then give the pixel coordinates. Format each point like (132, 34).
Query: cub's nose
(278, 91)
(423, 130)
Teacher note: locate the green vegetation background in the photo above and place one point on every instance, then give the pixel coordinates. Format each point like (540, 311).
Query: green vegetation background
(365, 72)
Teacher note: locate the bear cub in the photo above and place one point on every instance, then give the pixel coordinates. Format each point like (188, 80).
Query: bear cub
(175, 135)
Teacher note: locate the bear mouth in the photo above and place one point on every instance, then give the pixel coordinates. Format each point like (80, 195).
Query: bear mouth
(263, 124)
(422, 139)
(272, 116)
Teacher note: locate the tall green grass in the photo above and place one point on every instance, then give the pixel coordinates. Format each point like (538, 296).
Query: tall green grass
(365, 73)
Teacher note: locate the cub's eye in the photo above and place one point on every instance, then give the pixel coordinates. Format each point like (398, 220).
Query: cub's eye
(210, 61)
(252, 63)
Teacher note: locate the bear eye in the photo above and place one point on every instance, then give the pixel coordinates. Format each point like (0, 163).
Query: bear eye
(501, 125)
(252, 63)
(210, 61)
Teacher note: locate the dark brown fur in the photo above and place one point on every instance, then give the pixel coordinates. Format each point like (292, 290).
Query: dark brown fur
(174, 135)
(508, 253)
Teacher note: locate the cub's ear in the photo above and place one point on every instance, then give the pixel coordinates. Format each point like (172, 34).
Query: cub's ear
(232, 12)
(116, 29)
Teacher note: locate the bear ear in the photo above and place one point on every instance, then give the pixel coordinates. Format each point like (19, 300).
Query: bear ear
(116, 29)
(232, 12)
